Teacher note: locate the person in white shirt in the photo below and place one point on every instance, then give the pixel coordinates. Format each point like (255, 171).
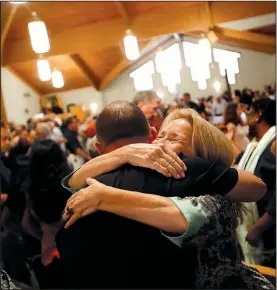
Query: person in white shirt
(219, 106)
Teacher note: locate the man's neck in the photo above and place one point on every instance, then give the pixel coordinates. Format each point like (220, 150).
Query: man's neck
(262, 129)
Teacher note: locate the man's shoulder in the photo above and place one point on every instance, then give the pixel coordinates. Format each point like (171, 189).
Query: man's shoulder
(126, 177)
(197, 163)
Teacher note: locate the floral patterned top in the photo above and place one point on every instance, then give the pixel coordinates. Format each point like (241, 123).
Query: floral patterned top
(6, 282)
(219, 261)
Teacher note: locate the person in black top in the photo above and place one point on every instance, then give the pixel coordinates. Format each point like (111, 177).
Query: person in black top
(71, 134)
(129, 253)
(261, 118)
(187, 102)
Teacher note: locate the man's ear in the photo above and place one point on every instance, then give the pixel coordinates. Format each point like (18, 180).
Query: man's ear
(153, 134)
(99, 148)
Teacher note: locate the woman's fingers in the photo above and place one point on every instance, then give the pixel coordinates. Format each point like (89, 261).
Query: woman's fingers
(176, 158)
(73, 196)
(158, 167)
(165, 164)
(165, 159)
(72, 220)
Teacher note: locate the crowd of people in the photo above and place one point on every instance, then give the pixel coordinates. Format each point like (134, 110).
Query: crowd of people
(144, 195)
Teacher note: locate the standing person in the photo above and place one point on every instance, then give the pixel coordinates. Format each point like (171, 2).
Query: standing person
(260, 158)
(219, 106)
(57, 135)
(149, 103)
(235, 134)
(73, 144)
(247, 97)
(188, 103)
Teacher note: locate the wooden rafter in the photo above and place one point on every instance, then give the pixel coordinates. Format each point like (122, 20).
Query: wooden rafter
(124, 63)
(123, 12)
(247, 36)
(85, 69)
(4, 32)
(246, 39)
(97, 36)
(7, 25)
(243, 39)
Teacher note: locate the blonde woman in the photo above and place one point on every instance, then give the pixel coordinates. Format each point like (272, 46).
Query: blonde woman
(208, 222)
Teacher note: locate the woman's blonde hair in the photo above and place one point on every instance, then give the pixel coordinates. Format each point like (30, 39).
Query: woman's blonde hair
(208, 142)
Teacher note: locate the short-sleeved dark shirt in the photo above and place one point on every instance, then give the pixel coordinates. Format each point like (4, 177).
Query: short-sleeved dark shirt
(72, 143)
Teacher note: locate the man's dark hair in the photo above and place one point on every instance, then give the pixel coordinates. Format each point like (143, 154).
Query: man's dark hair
(69, 121)
(120, 119)
(147, 96)
(186, 94)
(268, 109)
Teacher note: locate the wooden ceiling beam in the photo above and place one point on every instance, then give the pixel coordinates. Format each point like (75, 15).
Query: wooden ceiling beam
(256, 38)
(243, 39)
(6, 26)
(223, 11)
(123, 12)
(97, 36)
(248, 40)
(125, 63)
(85, 70)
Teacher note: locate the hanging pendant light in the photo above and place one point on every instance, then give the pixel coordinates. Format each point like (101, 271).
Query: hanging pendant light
(57, 79)
(131, 46)
(44, 70)
(38, 34)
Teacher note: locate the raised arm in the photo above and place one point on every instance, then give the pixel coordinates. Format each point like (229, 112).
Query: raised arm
(153, 156)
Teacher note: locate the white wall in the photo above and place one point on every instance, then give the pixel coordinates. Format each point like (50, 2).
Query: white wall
(84, 96)
(256, 70)
(16, 104)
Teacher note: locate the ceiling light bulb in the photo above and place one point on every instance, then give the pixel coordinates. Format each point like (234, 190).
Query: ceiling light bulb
(217, 86)
(44, 70)
(39, 36)
(131, 46)
(57, 79)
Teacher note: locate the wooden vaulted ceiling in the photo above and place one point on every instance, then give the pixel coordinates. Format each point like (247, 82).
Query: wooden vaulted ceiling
(86, 37)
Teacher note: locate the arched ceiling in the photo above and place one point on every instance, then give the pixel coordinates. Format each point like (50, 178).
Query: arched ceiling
(86, 37)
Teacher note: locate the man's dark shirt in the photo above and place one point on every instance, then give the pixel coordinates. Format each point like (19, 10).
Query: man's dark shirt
(193, 106)
(72, 143)
(103, 250)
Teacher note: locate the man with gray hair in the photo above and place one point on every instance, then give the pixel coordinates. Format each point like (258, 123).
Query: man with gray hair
(43, 131)
(149, 103)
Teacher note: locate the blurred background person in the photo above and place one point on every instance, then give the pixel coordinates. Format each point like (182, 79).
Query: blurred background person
(235, 134)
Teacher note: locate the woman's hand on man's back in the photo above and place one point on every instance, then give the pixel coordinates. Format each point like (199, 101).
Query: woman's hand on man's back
(155, 156)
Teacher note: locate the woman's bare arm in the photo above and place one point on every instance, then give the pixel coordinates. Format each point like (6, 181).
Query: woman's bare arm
(153, 210)
(154, 156)
(249, 188)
